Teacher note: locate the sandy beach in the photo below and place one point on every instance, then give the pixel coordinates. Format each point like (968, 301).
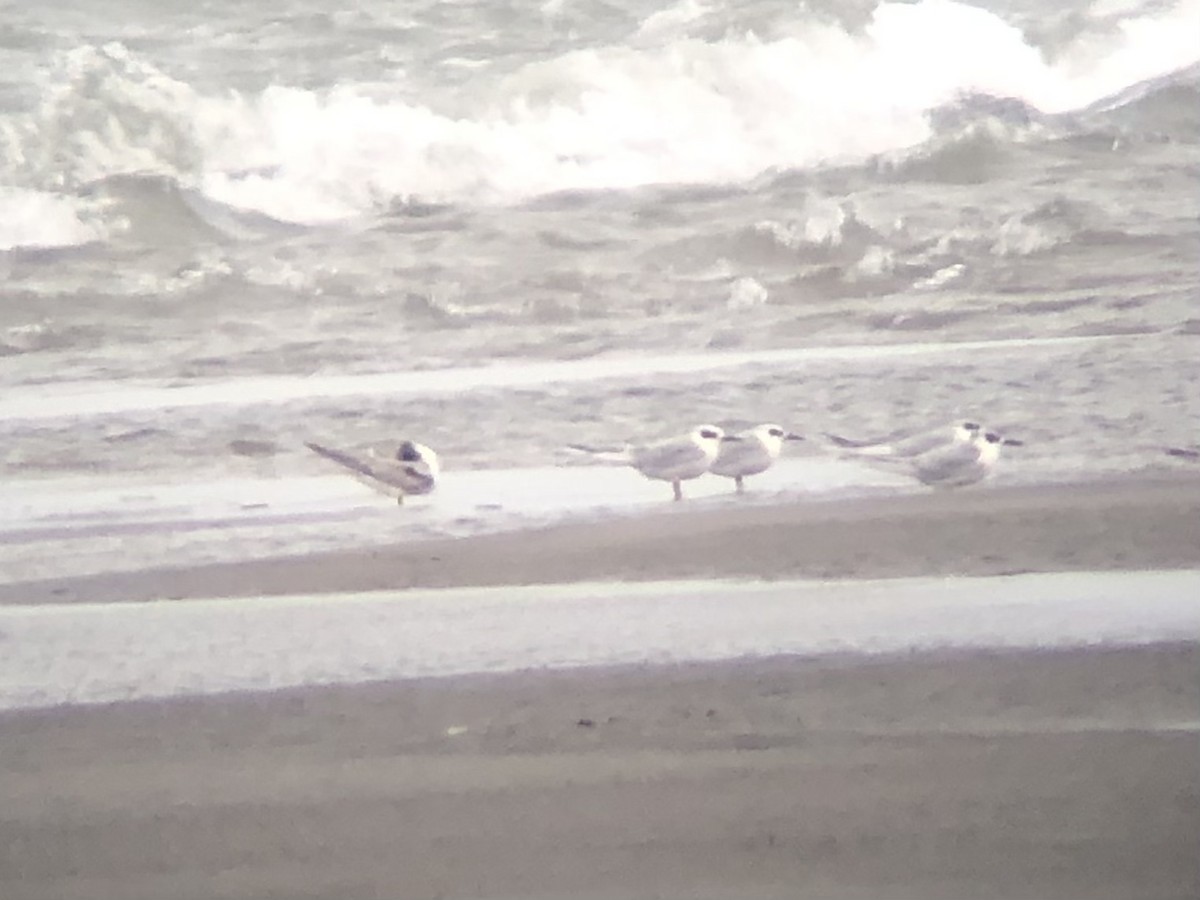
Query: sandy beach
(1127, 524)
(1066, 775)
(246, 244)
(1071, 773)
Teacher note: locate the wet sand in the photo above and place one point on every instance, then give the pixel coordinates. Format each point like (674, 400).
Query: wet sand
(1129, 524)
(1019, 774)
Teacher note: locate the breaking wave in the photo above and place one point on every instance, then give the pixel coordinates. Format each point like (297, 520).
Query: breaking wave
(674, 103)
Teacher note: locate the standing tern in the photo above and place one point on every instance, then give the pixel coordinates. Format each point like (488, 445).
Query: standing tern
(676, 459)
(957, 464)
(906, 445)
(413, 470)
(753, 452)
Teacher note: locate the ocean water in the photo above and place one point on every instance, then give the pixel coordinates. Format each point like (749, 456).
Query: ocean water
(497, 228)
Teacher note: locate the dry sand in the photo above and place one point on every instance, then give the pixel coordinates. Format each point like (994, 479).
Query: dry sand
(1067, 774)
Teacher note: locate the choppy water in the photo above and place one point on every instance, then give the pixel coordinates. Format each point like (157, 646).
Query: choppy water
(228, 228)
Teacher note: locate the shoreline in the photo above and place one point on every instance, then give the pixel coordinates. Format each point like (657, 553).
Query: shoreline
(1065, 772)
(1123, 524)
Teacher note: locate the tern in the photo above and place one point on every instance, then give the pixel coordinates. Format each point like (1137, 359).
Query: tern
(676, 459)
(909, 444)
(957, 464)
(753, 452)
(413, 470)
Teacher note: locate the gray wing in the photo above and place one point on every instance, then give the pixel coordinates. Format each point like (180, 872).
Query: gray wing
(667, 455)
(846, 443)
(953, 466)
(923, 443)
(608, 455)
(744, 457)
(392, 473)
(595, 450)
(737, 452)
(895, 444)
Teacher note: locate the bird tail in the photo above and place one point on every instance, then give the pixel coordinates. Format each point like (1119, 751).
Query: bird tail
(341, 458)
(863, 449)
(847, 443)
(615, 456)
(329, 453)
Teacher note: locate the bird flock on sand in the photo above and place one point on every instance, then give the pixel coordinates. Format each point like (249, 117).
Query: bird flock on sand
(950, 456)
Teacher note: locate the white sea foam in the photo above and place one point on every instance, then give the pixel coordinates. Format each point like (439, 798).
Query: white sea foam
(38, 219)
(668, 107)
(684, 110)
(104, 111)
(673, 20)
(942, 276)
(746, 293)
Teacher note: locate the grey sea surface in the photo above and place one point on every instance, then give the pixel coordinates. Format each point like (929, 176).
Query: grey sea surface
(501, 228)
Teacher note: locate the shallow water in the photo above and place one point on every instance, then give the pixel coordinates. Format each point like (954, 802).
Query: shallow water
(96, 654)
